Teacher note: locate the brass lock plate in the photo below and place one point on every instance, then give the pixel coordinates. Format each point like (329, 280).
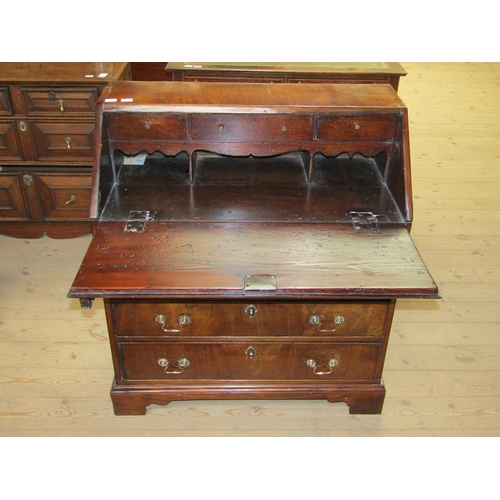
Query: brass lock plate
(257, 282)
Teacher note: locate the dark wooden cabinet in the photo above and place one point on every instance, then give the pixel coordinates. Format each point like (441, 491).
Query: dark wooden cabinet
(286, 72)
(252, 240)
(47, 123)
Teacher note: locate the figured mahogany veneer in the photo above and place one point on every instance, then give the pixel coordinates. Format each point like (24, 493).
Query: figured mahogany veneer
(251, 240)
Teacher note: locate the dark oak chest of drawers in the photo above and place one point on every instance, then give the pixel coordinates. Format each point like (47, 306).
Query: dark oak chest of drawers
(252, 240)
(47, 121)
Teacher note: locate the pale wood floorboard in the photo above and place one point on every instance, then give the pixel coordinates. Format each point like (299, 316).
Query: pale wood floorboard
(443, 364)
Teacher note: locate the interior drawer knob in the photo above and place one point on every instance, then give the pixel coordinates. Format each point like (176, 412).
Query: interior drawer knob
(68, 142)
(318, 370)
(182, 320)
(71, 199)
(316, 320)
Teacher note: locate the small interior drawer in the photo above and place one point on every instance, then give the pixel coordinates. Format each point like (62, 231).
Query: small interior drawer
(356, 128)
(60, 101)
(249, 361)
(316, 319)
(251, 127)
(147, 127)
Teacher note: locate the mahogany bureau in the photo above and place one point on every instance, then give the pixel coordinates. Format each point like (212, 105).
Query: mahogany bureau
(47, 116)
(252, 240)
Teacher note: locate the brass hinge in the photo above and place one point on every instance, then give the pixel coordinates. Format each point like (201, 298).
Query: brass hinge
(366, 222)
(137, 220)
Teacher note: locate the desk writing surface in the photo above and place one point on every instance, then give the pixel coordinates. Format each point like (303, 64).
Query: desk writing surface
(176, 259)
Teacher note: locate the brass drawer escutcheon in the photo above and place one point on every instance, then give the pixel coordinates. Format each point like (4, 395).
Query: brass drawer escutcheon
(250, 352)
(251, 311)
(28, 179)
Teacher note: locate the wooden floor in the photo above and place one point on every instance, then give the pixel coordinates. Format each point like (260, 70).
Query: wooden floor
(443, 365)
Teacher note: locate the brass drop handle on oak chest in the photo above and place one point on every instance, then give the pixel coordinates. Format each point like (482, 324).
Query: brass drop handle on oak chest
(316, 320)
(182, 363)
(67, 140)
(71, 199)
(317, 370)
(183, 320)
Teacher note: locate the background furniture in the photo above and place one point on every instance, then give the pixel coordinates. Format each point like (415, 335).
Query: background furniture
(47, 121)
(289, 72)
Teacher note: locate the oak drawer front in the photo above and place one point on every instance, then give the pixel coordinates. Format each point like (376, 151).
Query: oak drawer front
(5, 104)
(249, 361)
(9, 143)
(60, 101)
(250, 319)
(356, 128)
(65, 196)
(63, 140)
(248, 128)
(12, 205)
(147, 127)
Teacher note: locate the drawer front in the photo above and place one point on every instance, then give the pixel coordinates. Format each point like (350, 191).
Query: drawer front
(5, 104)
(9, 141)
(147, 127)
(356, 128)
(250, 319)
(246, 361)
(65, 196)
(60, 101)
(12, 205)
(68, 141)
(248, 128)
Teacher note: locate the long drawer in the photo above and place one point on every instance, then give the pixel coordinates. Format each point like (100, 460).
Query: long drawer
(60, 100)
(311, 319)
(249, 361)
